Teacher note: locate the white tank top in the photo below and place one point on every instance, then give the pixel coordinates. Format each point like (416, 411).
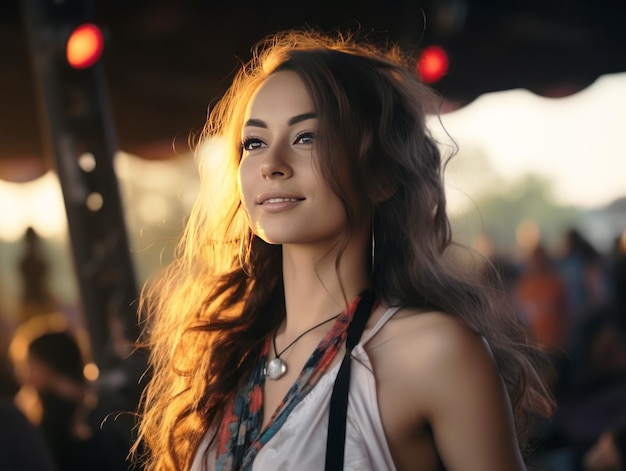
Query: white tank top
(300, 444)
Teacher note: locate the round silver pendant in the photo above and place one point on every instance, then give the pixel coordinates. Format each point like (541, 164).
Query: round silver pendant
(276, 368)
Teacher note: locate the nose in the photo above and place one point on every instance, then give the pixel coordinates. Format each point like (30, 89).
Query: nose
(275, 165)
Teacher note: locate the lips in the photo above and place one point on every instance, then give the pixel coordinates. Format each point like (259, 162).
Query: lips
(276, 202)
(280, 200)
(277, 198)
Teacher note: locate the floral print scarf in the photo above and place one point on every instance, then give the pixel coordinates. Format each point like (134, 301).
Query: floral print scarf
(240, 437)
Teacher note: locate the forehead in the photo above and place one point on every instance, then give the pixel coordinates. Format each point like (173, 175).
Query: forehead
(282, 92)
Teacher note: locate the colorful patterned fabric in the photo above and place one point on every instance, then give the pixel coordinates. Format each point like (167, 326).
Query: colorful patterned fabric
(240, 436)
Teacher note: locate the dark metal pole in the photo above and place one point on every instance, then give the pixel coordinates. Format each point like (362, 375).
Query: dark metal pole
(77, 121)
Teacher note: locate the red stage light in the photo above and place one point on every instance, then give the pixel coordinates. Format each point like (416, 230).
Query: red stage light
(84, 46)
(432, 64)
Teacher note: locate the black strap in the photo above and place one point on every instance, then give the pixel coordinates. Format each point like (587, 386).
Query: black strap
(336, 442)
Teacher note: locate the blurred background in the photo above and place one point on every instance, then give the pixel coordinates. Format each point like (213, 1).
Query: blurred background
(95, 185)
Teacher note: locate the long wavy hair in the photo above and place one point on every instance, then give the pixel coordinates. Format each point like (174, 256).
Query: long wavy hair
(210, 310)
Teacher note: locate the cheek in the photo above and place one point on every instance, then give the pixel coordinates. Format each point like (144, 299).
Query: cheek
(244, 181)
(324, 189)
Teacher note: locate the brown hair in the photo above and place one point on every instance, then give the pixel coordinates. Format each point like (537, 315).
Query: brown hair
(211, 309)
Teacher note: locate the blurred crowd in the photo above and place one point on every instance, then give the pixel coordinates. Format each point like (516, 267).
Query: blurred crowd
(573, 301)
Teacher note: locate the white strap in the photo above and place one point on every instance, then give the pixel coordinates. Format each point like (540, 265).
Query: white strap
(389, 313)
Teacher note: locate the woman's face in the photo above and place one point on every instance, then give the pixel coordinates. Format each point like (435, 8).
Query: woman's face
(285, 196)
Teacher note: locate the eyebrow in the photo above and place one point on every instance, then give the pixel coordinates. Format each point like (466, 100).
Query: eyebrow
(301, 117)
(258, 123)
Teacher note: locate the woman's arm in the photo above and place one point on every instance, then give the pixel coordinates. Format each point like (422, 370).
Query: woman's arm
(468, 406)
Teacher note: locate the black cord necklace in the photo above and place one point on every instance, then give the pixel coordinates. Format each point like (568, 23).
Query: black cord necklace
(277, 367)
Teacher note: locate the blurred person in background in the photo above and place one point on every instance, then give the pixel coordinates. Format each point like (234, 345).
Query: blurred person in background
(22, 447)
(617, 264)
(55, 395)
(584, 273)
(542, 301)
(605, 370)
(34, 269)
(608, 453)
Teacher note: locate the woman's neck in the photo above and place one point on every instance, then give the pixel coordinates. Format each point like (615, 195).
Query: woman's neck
(315, 289)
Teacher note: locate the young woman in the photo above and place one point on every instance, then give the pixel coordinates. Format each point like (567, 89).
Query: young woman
(316, 263)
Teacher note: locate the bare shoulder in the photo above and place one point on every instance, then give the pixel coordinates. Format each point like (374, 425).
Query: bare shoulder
(432, 370)
(427, 341)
